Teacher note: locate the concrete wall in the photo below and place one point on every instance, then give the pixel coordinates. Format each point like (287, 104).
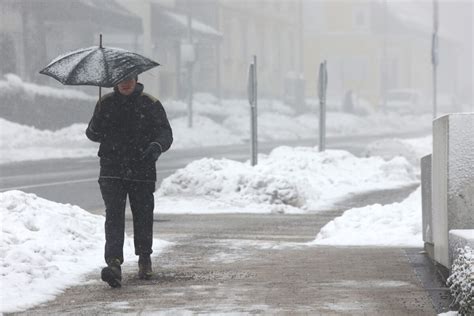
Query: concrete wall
(453, 179)
(426, 199)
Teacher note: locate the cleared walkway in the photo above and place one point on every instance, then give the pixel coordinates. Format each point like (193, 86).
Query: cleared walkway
(256, 264)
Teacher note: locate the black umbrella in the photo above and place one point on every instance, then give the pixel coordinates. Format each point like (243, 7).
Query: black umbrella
(97, 66)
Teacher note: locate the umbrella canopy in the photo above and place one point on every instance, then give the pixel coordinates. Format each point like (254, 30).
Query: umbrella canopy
(97, 66)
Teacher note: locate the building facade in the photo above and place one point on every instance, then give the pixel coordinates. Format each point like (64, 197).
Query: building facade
(371, 47)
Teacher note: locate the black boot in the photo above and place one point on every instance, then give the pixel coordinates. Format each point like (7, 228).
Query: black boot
(112, 274)
(144, 267)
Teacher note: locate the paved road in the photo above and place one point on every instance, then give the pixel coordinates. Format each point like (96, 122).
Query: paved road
(257, 264)
(74, 181)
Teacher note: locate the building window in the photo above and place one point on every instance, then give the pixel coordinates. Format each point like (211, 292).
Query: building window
(361, 18)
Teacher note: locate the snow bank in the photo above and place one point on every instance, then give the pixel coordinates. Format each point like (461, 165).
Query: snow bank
(288, 180)
(20, 142)
(210, 133)
(213, 125)
(277, 121)
(397, 224)
(412, 149)
(14, 83)
(46, 247)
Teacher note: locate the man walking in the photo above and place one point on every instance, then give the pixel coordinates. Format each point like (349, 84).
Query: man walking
(133, 131)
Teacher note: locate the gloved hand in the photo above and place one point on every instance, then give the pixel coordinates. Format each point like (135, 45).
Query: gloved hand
(92, 132)
(152, 152)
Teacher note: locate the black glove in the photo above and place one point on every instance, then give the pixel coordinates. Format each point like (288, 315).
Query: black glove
(152, 152)
(92, 132)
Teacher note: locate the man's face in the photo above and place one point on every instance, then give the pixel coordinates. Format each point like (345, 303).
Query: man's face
(127, 86)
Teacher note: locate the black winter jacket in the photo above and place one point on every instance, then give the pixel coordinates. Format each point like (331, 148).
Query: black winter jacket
(125, 126)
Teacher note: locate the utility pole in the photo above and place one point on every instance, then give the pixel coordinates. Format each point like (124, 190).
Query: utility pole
(384, 57)
(300, 80)
(217, 19)
(300, 36)
(253, 101)
(190, 66)
(435, 55)
(322, 89)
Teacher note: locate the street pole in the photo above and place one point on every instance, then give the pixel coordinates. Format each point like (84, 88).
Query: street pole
(252, 95)
(300, 97)
(218, 56)
(322, 88)
(190, 69)
(300, 37)
(384, 57)
(435, 56)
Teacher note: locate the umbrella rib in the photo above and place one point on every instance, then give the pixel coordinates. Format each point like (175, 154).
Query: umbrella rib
(74, 71)
(46, 70)
(61, 58)
(106, 65)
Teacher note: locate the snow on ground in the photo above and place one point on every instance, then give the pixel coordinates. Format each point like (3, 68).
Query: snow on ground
(397, 224)
(224, 123)
(412, 149)
(14, 83)
(289, 180)
(21, 143)
(46, 247)
(296, 180)
(209, 131)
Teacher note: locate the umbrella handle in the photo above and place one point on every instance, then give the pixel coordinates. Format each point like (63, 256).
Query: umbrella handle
(100, 88)
(100, 97)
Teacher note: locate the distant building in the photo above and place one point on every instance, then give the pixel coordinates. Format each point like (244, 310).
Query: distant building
(226, 35)
(267, 29)
(371, 47)
(164, 38)
(32, 32)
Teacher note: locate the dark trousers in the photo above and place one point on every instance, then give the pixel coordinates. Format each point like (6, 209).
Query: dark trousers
(140, 194)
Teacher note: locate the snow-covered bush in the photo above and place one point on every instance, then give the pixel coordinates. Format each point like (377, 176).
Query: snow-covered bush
(461, 281)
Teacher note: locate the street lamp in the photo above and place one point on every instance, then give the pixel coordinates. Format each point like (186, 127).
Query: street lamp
(435, 54)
